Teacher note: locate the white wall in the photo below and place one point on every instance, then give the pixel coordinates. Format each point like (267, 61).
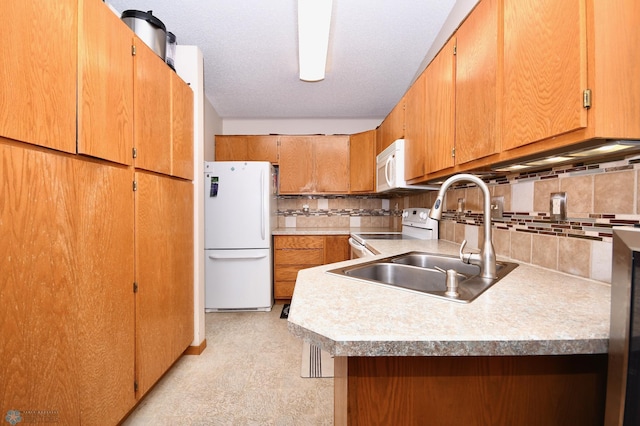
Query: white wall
(212, 127)
(190, 67)
(298, 126)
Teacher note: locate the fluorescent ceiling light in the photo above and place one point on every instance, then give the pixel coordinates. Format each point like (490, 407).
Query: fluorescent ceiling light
(314, 21)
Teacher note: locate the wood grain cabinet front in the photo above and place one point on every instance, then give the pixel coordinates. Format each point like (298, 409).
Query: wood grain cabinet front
(39, 63)
(293, 253)
(247, 148)
(362, 162)
(164, 274)
(314, 164)
(105, 84)
(67, 318)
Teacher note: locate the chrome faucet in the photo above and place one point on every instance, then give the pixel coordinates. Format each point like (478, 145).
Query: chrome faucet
(486, 259)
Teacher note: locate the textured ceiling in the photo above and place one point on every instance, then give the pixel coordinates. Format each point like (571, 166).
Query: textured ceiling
(376, 49)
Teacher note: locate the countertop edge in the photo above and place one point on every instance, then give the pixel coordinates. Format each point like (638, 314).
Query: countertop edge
(451, 348)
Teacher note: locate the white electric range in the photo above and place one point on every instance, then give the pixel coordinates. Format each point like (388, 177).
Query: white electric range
(416, 224)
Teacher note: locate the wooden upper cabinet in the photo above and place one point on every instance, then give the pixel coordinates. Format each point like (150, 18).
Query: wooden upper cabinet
(314, 164)
(391, 128)
(39, 63)
(182, 128)
(415, 144)
(440, 109)
(545, 69)
(105, 84)
(477, 98)
(247, 148)
(296, 165)
(332, 164)
(263, 148)
(152, 110)
(362, 162)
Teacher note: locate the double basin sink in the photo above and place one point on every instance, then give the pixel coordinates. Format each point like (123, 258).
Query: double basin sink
(426, 273)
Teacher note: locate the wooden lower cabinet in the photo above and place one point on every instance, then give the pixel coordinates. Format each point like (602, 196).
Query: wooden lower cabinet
(74, 336)
(67, 317)
(480, 390)
(164, 274)
(295, 252)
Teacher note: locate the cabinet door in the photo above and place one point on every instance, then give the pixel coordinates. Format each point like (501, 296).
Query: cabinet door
(362, 162)
(331, 165)
(392, 127)
(67, 331)
(262, 148)
(336, 248)
(152, 107)
(440, 109)
(38, 69)
(231, 148)
(164, 273)
(296, 164)
(476, 84)
(415, 143)
(182, 128)
(105, 84)
(545, 69)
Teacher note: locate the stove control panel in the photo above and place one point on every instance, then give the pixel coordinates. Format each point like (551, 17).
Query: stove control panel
(418, 217)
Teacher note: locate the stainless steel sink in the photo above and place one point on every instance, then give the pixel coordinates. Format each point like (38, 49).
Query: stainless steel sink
(425, 273)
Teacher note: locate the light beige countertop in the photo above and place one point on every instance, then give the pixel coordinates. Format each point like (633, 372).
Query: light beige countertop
(325, 231)
(531, 311)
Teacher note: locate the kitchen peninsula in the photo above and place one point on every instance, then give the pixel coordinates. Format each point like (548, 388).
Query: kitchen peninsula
(530, 350)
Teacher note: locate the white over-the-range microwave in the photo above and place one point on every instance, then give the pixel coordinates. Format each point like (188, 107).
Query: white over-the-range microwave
(390, 169)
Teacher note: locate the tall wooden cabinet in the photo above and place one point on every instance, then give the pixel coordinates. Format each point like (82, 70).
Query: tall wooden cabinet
(39, 56)
(67, 321)
(86, 318)
(164, 274)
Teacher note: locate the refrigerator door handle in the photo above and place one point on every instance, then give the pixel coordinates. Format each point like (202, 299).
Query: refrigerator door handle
(263, 213)
(234, 256)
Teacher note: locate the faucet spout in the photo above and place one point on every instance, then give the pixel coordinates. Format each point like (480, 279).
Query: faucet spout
(486, 260)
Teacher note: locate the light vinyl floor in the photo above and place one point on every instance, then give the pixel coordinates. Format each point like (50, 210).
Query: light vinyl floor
(249, 374)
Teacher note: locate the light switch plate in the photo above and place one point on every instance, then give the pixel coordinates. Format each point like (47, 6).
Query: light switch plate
(558, 206)
(497, 207)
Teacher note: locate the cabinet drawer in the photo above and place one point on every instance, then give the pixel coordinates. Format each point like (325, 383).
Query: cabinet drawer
(299, 241)
(299, 257)
(283, 289)
(288, 272)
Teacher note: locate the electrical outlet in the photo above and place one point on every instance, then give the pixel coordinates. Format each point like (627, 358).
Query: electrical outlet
(558, 206)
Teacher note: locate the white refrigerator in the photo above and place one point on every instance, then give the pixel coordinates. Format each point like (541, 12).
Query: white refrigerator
(240, 214)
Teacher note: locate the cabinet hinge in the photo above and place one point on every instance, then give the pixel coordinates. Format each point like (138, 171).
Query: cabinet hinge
(455, 49)
(453, 152)
(134, 152)
(586, 99)
(133, 50)
(135, 386)
(135, 287)
(135, 186)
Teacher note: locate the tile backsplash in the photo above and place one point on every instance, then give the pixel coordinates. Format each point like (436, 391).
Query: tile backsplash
(599, 197)
(338, 212)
